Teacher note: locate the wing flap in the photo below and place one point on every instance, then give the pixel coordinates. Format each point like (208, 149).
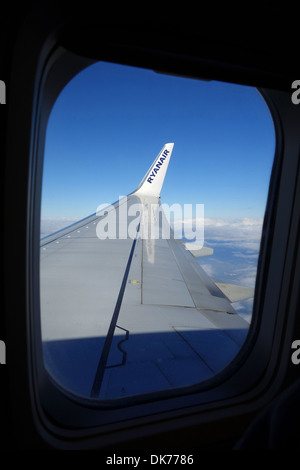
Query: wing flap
(234, 292)
(198, 251)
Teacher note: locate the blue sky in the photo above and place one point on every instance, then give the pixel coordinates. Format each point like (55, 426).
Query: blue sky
(110, 122)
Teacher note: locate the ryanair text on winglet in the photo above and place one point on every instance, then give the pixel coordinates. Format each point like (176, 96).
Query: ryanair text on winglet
(157, 166)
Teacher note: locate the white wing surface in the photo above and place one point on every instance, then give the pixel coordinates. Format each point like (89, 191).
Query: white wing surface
(132, 314)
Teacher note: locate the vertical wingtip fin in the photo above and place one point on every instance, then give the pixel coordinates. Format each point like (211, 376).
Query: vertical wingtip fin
(152, 182)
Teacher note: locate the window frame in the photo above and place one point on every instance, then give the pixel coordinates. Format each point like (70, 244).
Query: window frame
(59, 418)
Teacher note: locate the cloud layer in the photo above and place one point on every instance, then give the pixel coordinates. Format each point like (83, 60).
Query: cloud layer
(244, 232)
(242, 229)
(52, 224)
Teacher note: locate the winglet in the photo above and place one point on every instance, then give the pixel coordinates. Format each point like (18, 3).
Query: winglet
(152, 182)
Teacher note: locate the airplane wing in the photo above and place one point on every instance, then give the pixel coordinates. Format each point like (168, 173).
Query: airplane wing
(126, 310)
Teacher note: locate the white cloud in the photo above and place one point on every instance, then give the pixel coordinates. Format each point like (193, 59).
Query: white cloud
(237, 229)
(52, 224)
(246, 231)
(244, 309)
(209, 269)
(247, 277)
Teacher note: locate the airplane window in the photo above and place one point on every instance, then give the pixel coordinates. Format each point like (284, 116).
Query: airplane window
(127, 307)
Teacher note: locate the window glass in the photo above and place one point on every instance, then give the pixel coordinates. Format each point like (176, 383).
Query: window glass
(130, 315)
